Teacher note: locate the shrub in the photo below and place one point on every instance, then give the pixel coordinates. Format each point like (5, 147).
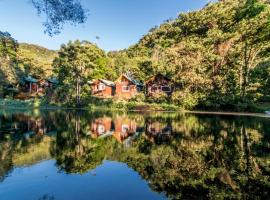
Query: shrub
(185, 99)
(160, 97)
(138, 98)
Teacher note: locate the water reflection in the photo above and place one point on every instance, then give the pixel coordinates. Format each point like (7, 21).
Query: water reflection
(185, 156)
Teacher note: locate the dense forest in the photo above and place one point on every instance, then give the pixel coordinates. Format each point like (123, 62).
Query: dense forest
(218, 57)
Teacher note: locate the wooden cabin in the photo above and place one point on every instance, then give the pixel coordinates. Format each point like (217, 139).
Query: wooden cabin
(159, 83)
(126, 87)
(102, 88)
(101, 126)
(31, 85)
(124, 128)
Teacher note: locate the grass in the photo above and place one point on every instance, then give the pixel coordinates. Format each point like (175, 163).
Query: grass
(25, 104)
(132, 106)
(110, 104)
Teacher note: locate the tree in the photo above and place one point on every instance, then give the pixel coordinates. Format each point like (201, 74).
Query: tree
(8, 46)
(59, 12)
(254, 37)
(76, 64)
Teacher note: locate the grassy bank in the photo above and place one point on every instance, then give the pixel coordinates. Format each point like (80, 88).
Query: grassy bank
(90, 104)
(25, 104)
(110, 104)
(133, 106)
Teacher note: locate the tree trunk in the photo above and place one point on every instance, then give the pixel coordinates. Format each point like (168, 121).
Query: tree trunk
(78, 92)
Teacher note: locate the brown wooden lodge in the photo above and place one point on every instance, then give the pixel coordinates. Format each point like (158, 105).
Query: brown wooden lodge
(159, 83)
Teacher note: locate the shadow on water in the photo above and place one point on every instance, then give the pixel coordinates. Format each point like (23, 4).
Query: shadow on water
(185, 156)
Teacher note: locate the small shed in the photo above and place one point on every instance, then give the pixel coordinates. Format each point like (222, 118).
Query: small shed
(102, 88)
(159, 83)
(127, 87)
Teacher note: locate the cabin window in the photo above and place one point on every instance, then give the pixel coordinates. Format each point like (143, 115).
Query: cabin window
(101, 86)
(101, 129)
(125, 88)
(154, 89)
(125, 128)
(166, 89)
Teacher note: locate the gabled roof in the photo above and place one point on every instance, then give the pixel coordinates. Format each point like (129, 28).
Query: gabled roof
(30, 79)
(134, 81)
(53, 80)
(108, 83)
(155, 76)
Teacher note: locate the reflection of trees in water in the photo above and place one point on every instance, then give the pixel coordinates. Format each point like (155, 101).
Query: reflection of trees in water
(214, 159)
(203, 157)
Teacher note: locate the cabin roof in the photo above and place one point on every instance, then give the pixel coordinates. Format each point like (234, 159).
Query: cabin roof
(134, 81)
(30, 79)
(108, 83)
(53, 80)
(157, 75)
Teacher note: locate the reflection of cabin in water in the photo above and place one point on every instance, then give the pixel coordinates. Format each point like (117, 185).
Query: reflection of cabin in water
(101, 126)
(158, 132)
(25, 125)
(124, 128)
(127, 87)
(159, 83)
(102, 88)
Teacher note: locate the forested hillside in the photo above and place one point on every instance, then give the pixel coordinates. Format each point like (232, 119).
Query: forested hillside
(219, 56)
(19, 60)
(36, 60)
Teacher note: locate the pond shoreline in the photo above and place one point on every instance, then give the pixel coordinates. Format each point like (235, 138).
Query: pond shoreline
(36, 104)
(221, 113)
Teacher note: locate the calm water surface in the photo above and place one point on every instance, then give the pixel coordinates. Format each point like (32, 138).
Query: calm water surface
(57, 155)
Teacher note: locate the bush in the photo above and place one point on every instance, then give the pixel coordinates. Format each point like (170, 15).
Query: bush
(185, 99)
(138, 98)
(160, 97)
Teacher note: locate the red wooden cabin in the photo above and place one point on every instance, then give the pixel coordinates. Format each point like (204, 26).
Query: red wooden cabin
(127, 87)
(102, 88)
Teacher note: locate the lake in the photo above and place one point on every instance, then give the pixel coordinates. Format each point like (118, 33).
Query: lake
(62, 155)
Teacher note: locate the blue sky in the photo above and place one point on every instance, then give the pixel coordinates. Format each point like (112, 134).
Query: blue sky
(118, 23)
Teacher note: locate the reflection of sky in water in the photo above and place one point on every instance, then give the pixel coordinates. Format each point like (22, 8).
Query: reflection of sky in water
(111, 180)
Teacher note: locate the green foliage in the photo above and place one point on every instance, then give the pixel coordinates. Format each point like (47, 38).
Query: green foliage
(59, 12)
(8, 46)
(219, 52)
(160, 97)
(35, 60)
(77, 63)
(185, 99)
(140, 97)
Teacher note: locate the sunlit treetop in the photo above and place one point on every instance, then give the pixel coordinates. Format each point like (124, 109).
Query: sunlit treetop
(60, 12)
